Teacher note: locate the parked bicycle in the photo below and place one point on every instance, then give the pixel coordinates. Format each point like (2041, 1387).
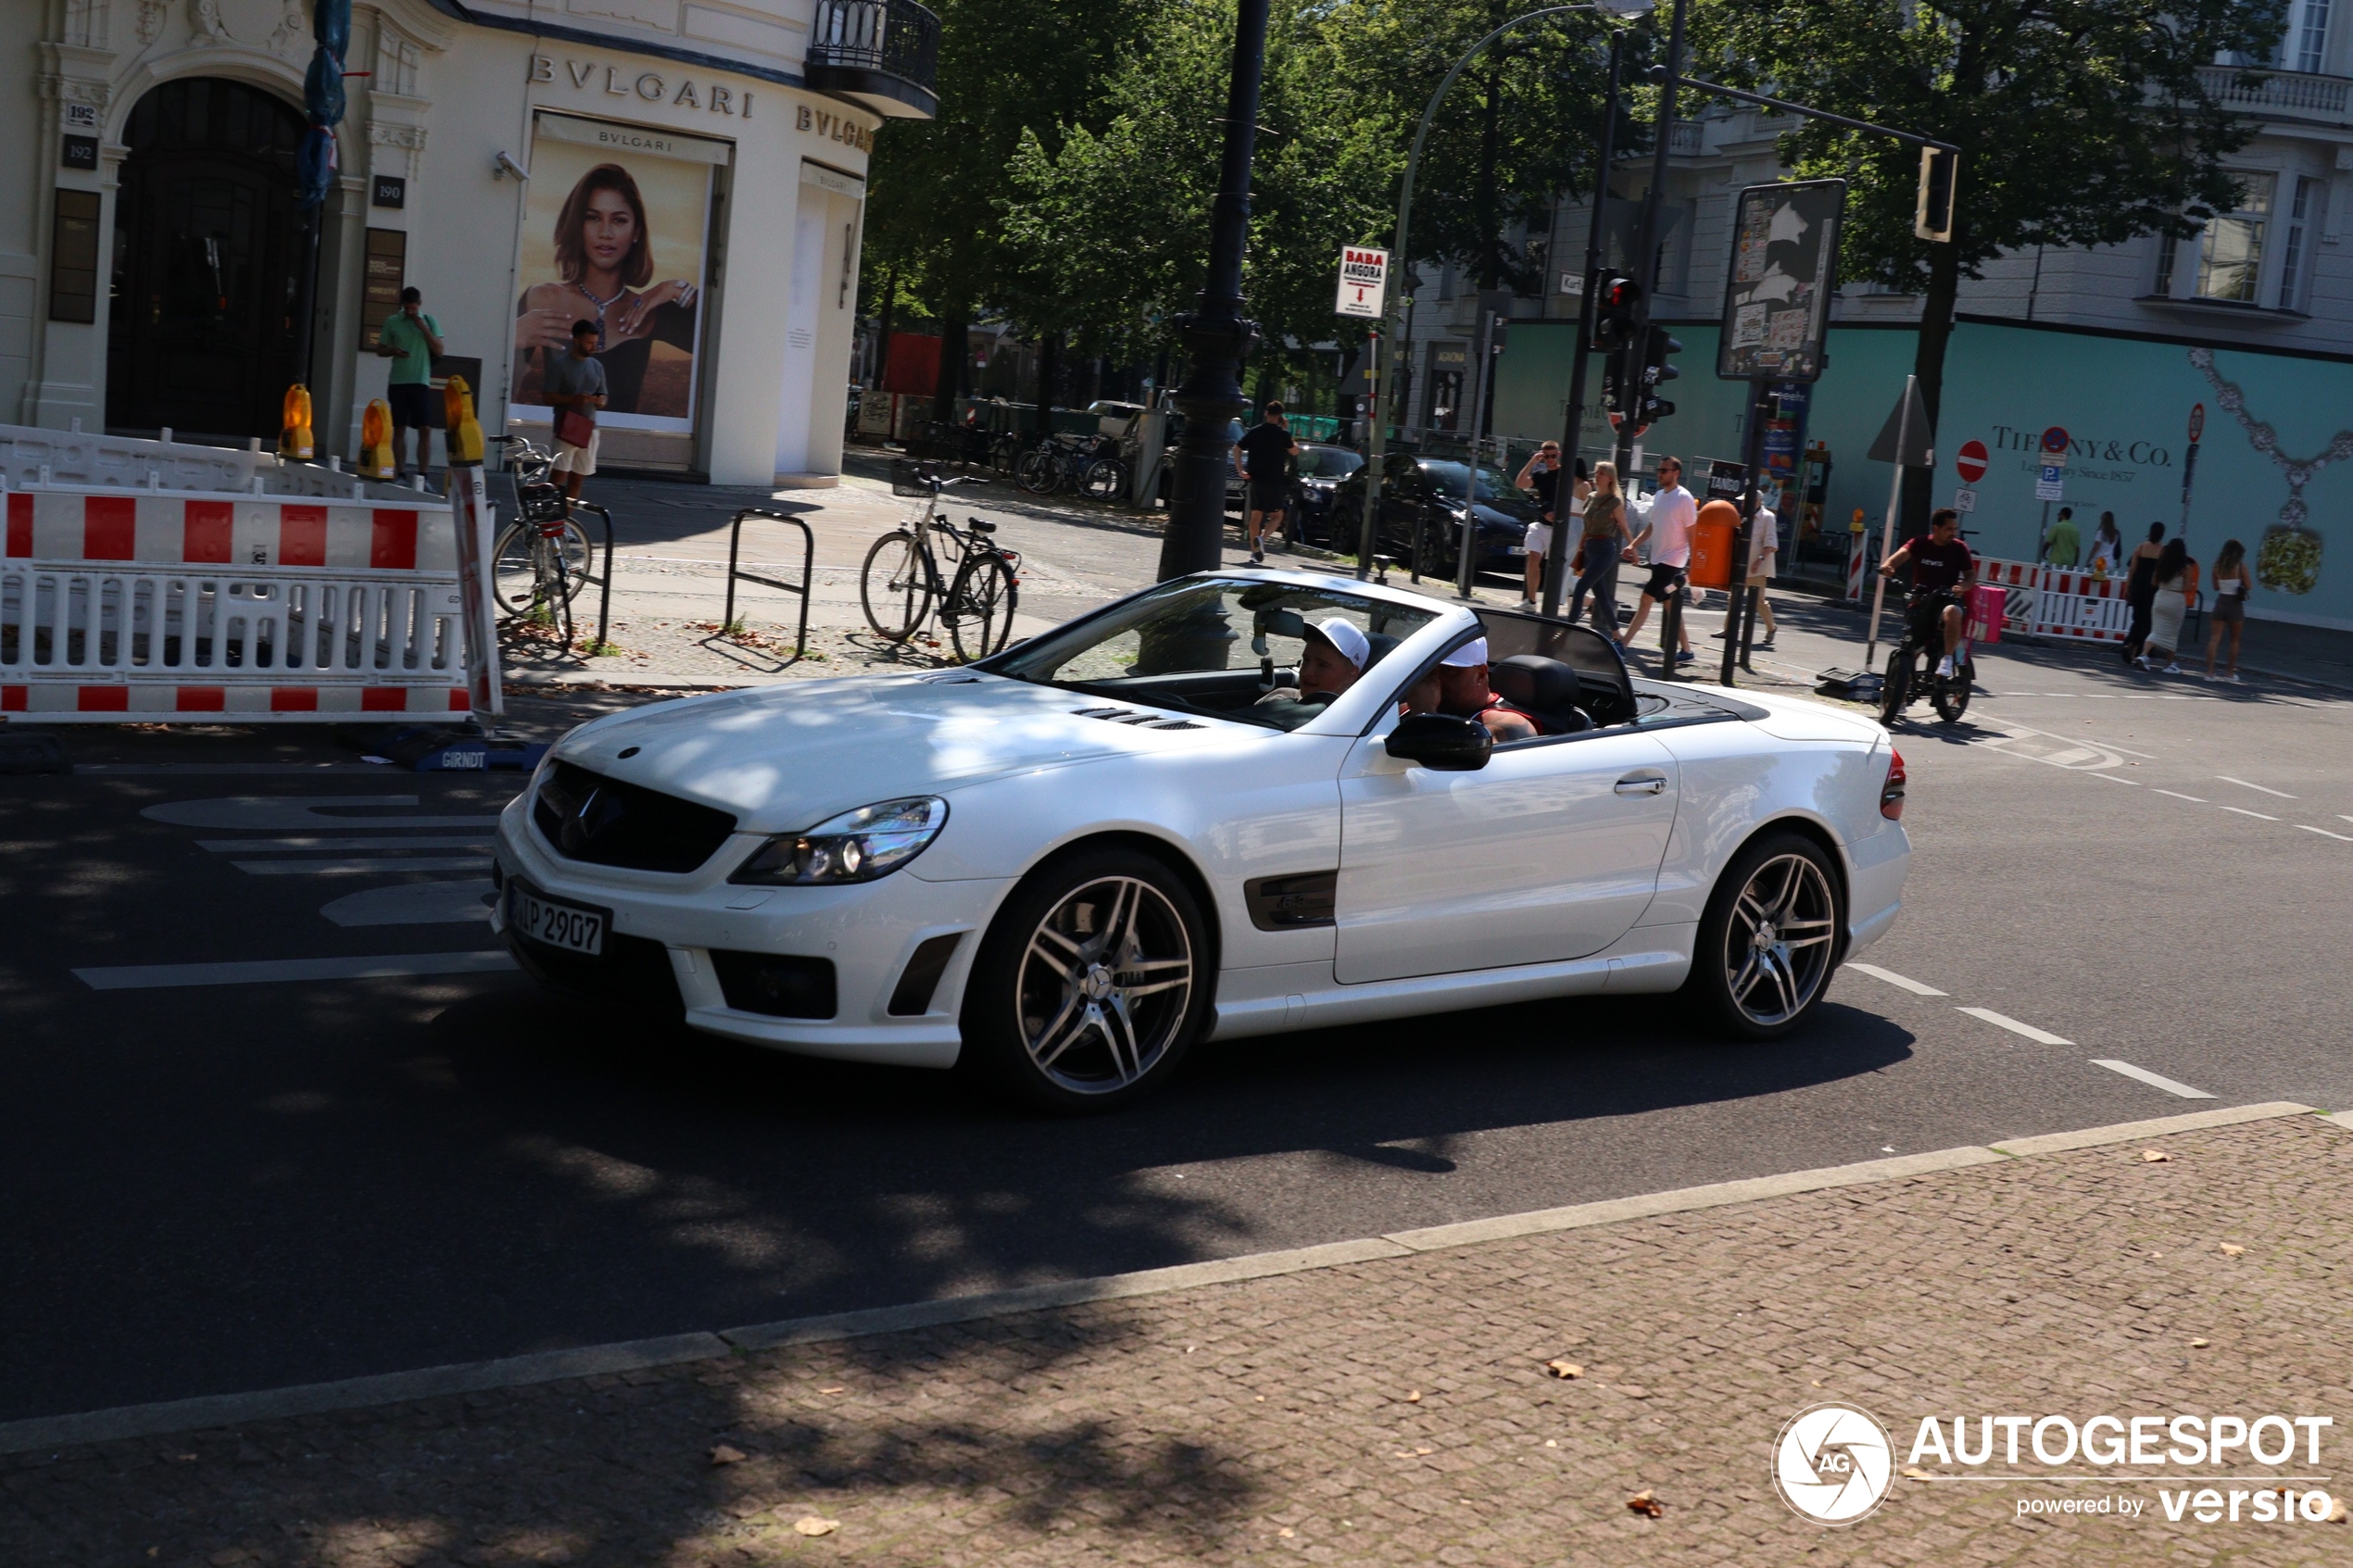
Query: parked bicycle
(540, 561)
(1089, 465)
(902, 586)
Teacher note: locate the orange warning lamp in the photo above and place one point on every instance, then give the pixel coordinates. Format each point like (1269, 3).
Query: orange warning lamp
(1713, 536)
(375, 441)
(294, 424)
(460, 435)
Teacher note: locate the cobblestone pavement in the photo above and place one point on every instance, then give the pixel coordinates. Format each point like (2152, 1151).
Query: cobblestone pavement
(1397, 1411)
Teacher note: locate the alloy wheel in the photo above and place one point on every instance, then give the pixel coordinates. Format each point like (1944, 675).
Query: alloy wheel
(1104, 986)
(1778, 944)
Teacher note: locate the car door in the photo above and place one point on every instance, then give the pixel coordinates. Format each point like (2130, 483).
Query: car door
(1549, 852)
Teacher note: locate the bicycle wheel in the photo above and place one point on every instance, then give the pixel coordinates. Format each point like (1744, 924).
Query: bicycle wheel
(980, 608)
(1105, 480)
(1004, 453)
(1952, 696)
(894, 587)
(1897, 690)
(556, 586)
(513, 569)
(1037, 472)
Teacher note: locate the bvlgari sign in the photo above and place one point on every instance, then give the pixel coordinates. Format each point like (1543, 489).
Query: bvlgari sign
(677, 92)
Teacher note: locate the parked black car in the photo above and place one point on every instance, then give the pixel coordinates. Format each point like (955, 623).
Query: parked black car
(1435, 492)
(1323, 466)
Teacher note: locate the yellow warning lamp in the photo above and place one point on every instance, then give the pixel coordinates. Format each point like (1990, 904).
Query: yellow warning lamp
(293, 432)
(375, 441)
(460, 433)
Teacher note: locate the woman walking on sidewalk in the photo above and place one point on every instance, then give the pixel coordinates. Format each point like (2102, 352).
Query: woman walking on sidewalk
(2176, 591)
(2232, 585)
(1602, 547)
(2139, 589)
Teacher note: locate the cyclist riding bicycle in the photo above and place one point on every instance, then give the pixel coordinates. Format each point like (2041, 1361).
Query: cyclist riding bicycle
(1942, 570)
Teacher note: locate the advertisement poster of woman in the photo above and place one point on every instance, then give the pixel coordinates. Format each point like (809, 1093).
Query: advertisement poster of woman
(614, 232)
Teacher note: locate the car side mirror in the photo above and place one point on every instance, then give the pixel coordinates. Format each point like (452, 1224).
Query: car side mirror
(1442, 742)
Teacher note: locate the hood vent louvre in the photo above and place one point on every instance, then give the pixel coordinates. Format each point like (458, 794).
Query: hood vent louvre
(1139, 721)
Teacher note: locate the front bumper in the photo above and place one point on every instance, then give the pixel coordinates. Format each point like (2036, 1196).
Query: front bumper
(868, 931)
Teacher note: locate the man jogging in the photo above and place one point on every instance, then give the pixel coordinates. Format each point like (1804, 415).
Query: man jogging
(1263, 458)
(409, 339)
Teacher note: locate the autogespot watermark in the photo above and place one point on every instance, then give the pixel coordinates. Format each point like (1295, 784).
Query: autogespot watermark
(1834, 1465)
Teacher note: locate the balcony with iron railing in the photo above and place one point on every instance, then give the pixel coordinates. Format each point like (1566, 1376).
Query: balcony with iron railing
(2281, 95)
(883, 55)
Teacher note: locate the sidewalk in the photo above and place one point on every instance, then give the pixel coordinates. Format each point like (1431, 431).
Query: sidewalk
(1396, 1409)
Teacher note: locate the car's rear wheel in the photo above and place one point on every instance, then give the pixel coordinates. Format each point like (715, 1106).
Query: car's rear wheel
(1769, 938)
(1092, 982)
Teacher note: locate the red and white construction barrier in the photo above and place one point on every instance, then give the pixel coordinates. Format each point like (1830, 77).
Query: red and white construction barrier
(157, 604)
(2049, 601)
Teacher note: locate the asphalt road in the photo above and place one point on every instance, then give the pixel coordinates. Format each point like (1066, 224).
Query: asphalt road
(230, 1188)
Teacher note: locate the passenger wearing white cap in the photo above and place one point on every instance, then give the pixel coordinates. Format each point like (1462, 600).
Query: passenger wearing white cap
(1463, 690)
(1333, 652)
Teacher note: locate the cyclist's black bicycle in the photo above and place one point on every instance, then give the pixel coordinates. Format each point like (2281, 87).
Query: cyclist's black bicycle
(902, 584)
(1911, 664)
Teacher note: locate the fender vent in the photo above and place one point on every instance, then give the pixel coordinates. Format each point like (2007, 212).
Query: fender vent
(1139, 721)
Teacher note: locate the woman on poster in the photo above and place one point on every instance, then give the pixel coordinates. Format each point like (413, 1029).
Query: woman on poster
(605, 259)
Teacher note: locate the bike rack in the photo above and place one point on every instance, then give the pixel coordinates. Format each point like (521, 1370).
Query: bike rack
(808, 567)
(604, 583)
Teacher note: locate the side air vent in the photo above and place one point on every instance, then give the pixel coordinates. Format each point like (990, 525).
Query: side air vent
(1139, 721)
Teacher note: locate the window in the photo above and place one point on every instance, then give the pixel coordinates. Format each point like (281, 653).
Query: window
(73, 258)
(2230, 254)
(2299, 216)
(2307, 43)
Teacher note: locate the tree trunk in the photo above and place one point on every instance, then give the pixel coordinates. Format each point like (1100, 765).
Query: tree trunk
(1049, 368)
(955, 351)
(1928, 366)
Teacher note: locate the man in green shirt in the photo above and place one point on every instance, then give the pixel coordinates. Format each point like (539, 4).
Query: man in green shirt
(2064, 547)
(409, 339)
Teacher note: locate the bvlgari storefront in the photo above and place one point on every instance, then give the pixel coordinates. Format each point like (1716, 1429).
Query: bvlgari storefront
(667, 172)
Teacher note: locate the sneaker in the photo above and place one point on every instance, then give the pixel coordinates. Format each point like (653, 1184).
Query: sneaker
(1945, 667)
(1527, 607)
(1687, 657)
(1258, 558)
(2233, 678)
(2172, 670)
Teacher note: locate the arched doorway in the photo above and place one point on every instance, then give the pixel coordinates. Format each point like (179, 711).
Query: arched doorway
(207, 246)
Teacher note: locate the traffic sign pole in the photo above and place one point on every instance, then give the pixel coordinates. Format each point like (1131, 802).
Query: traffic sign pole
(1887, 523)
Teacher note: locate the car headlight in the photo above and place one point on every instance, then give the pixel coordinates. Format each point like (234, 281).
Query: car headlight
(860, 845)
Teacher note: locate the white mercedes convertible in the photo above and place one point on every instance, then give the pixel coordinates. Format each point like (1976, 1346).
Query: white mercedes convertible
(1229, 805)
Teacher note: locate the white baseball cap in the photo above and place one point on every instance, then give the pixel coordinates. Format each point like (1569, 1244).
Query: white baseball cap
(1470, 655)
(1352, 644)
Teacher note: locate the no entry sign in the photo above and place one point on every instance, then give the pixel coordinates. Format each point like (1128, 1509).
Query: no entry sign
(1971, 461)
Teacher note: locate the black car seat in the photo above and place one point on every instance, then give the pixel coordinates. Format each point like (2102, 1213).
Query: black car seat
(1545, 689)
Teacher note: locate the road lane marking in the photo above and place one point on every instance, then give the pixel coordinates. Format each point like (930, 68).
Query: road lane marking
(1914, 986)
(2154, 1080)
(422, 841)
(2113, 779)
(2347, 838)
(2244, 812)
(2002, 1020)
(373, 866)
(2267, 789)
(260, 971)
(2177, 794)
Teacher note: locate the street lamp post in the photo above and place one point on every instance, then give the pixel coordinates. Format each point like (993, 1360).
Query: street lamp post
(1217, 336)
(1402, 248)
(1557, 554)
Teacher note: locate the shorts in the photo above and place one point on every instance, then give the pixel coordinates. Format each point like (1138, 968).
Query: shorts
(1539, 541)
(413, 404)
(581, 460)
(1269, 495)
(1665, 579)
(2230, 607)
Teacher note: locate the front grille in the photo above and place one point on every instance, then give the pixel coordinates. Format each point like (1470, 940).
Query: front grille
(634, 971)
(585, 816)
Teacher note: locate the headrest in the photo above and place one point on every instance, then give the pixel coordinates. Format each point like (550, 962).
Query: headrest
(1534, 684)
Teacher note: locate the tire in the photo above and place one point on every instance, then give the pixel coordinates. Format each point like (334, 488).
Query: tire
(1106, 479)
(1046, 1019)
(1037, 472)
(1896, 691)
(513, 574)
(1952, 696)
(980, 608)
(1747, 975)
(893, 587)
(1004, 454)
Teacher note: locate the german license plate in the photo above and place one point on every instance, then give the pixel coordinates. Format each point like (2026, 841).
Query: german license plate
(552, 923)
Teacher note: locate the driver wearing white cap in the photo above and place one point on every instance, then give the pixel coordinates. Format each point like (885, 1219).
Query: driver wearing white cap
(1463, 690)
(1333, 653)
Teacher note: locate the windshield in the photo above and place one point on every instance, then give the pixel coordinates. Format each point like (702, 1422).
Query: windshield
(1448, 480)
(1329, 462)
(1260, 653)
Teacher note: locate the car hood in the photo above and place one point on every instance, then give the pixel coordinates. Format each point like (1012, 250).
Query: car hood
(786, 757)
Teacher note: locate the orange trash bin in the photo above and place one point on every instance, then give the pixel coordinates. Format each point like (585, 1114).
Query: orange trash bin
(1713, 536)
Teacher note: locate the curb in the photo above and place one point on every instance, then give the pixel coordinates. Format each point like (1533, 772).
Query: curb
(553, 1366)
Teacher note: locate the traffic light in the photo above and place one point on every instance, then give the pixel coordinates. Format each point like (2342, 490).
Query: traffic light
(1618, 311)
(1940, 172)
(1658, 346)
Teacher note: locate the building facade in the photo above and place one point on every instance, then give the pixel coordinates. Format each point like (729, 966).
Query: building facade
(690, 175)
(2243, 333)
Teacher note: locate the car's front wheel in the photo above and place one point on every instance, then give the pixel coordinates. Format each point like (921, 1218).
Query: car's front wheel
(1091, 985)
(1769, 939)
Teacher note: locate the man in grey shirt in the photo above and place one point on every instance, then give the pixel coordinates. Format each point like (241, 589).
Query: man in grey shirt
(573, 385)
